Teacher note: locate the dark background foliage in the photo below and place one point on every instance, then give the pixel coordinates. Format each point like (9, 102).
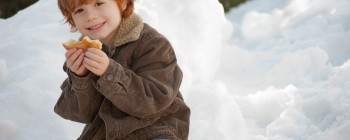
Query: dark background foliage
(228, 4)
(9, 8)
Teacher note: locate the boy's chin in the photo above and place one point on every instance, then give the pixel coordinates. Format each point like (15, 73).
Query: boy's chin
(94, 37)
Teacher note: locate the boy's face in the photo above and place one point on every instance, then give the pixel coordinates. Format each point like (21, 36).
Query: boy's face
(98, 19)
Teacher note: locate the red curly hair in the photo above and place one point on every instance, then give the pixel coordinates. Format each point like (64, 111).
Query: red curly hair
(67, 8)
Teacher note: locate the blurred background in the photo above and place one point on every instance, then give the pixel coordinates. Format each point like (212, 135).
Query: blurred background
(278, 69)
(9, 8)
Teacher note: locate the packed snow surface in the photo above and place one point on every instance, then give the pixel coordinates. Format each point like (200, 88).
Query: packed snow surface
(267, 70)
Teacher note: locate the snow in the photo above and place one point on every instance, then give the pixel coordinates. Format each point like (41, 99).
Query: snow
(267, 70)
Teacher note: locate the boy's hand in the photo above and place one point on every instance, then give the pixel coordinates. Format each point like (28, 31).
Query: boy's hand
(74, 59)
(96, 61)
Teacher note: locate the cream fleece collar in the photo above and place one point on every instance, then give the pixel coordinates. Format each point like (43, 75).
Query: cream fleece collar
(129, 30)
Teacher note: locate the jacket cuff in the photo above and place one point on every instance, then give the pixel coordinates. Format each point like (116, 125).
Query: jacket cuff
(113, 72)
(110, 81)
(79, 83)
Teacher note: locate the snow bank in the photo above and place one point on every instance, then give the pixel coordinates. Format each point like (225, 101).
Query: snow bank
(276, 70)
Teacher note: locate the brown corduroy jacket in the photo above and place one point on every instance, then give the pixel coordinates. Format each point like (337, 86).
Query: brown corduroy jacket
(137, 97)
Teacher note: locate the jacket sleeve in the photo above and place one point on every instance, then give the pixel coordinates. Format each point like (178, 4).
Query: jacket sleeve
(79, 100)
(150, 85)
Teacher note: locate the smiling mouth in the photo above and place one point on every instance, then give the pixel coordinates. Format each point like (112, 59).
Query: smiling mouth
(97, 26)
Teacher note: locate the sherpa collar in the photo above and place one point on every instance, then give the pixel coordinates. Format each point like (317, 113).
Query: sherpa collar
(129, 30)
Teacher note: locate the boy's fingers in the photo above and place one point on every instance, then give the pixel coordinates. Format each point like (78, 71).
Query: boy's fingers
(77, 62)
(96, 51)
(91, 62)
(93, 56)
(72, 58)
(70, 52)
(89, 67)
(81, 68)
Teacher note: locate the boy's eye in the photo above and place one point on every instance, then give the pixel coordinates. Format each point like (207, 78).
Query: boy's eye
(78, 11)
(98, 4)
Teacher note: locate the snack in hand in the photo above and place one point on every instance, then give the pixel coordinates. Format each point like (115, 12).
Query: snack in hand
(84, 44)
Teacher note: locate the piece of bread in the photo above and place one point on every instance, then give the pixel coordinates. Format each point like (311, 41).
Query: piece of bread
(84, 44)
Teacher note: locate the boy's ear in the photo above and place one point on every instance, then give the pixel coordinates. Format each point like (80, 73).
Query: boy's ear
(123, 4)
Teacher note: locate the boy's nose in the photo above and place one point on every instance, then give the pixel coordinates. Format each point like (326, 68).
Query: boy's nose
(91, 16)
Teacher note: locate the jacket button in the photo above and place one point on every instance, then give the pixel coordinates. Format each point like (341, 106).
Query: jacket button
(105, 109)
(110, 77)
(112, 134)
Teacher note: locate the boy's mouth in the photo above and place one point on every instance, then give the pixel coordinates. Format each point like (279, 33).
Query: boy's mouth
(97, 26)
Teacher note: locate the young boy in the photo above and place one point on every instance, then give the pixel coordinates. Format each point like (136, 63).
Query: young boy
(130, 88)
